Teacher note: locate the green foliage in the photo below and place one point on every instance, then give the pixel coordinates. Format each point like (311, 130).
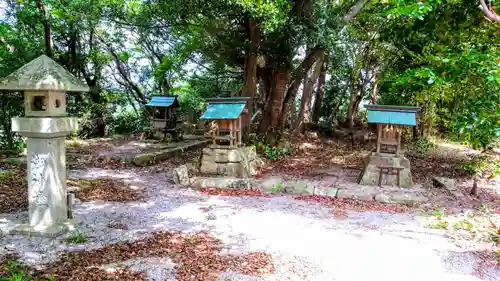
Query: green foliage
(276, 188)
(274, 14)
(411, 9)
(438, 213)
(128, 122)
(272, 153)
(482, 165)
(76, 238)
(275, 153)
(439, 221)
(438, 224)
(15, 272)
(463, 224)
(423, 145)
(6, 177)
(437, 54)
(448, 67)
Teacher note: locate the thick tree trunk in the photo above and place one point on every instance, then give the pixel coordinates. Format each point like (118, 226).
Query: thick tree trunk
(320, 91)
(289, 116)
(296, 80)
(250, 83)
(250, 79)
(278, 88)
(305, 104)
(272, 117)
(47, 30)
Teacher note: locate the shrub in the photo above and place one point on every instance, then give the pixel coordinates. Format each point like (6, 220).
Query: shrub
(128, 122)
(424, 145)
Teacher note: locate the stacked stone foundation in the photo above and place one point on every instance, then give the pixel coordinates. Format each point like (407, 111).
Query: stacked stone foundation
(371, 173)
(233, 162)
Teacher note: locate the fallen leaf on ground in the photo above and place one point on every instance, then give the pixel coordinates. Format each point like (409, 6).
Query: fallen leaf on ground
(233, 192)
(198, 256)
(358, 205)
(105, 189)
(13, 190)
(486, 260)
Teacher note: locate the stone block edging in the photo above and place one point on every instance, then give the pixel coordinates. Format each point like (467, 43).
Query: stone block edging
(274, 185)
(155, 157)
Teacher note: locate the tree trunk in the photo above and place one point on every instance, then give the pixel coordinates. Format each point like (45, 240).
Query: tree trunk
(300, 73)
(164, 86)
(320, 91)
(374, 89)
(351, 108)
(250, 79)
(293, 114)
(272, 117)
(305, 104)
(289, 116)
(47, 31)
(250, 83)
(473, 191)
(356, 105)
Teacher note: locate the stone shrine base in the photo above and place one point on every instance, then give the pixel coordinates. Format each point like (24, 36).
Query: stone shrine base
(234, 162)
(371, 173)
(51, 231)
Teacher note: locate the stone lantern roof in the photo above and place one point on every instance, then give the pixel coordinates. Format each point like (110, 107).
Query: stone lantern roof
(42, 74)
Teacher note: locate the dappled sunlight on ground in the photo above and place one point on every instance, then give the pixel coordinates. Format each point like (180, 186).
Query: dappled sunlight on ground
(299, 238)
(159, 231)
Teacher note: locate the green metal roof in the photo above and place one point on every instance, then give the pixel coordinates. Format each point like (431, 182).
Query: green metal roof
(42, 74)
(162, 101)
(223, 111)
(395, 115)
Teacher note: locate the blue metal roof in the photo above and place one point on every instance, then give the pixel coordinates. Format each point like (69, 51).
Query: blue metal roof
(392, 117)
(162, 101)
(223, 110)
(392, 114)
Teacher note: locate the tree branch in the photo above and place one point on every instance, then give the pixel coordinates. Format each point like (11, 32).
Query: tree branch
(355, 10)
(488, 10)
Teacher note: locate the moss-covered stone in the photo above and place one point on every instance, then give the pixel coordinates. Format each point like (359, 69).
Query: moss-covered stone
(16, 161)
(144, 159)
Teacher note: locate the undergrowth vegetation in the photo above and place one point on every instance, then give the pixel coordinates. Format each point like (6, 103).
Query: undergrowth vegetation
(424, 145)
(11, 270)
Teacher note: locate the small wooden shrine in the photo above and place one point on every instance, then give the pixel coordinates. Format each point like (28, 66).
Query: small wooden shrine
(389, 168)
(390, 122)
(226, 115)
(163, 116)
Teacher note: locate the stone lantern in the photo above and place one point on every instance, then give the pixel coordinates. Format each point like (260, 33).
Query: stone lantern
(45, 125)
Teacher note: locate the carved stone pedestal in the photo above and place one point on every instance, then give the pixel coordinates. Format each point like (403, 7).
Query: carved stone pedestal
(46, 160)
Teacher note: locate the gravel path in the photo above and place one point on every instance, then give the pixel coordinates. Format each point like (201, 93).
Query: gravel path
(307, 243)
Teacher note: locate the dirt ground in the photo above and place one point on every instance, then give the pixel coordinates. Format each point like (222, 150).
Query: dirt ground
(138, 225)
